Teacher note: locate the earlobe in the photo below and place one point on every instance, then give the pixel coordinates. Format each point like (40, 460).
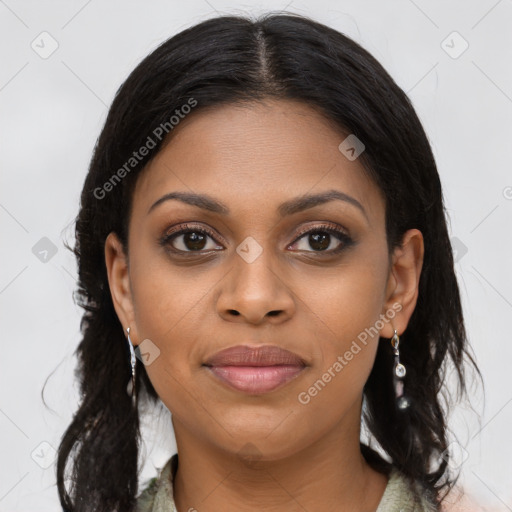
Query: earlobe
(119, 281)
(403, 281)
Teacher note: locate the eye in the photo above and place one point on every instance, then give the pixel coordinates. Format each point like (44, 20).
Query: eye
(326, 238)
(187, 238)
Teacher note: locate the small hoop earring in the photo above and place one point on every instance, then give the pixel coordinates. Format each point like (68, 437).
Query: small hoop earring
(399, 372)
(130, 389)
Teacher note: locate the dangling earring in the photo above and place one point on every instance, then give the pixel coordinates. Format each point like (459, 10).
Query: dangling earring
(402, 401)
(131, 384)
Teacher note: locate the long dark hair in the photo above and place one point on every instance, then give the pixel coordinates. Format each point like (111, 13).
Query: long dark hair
(235, 59)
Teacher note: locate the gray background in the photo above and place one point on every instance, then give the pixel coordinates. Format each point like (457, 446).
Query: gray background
(52, 110)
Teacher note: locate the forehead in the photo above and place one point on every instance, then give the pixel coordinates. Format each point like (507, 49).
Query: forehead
(255, 154)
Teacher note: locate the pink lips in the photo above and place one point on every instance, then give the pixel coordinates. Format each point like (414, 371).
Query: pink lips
(255, 370)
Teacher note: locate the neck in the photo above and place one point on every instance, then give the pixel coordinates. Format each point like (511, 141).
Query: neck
(318, 477)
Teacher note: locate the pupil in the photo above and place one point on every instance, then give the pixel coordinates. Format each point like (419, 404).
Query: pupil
(319, 241)
(194, 241)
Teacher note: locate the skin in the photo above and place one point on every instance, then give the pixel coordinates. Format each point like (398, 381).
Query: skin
(237, 451)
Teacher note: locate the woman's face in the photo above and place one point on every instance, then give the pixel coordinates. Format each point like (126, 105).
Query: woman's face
(248, 273)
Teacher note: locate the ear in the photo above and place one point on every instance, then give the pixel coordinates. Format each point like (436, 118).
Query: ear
(402, 286)
(119, 282)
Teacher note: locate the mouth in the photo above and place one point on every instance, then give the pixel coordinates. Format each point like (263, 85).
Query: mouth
(255, 370)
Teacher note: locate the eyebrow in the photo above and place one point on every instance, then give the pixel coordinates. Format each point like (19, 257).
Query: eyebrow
(289, 207)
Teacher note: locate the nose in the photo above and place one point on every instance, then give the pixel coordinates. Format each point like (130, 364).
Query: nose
(253, 292)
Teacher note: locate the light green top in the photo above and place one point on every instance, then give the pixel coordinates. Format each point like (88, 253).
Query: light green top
(158, 494)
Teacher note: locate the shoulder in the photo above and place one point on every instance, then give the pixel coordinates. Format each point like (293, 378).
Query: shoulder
(404, 495)
(147, 497)
(157, 494)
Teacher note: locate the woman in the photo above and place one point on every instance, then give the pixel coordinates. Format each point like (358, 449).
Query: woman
(263, 222)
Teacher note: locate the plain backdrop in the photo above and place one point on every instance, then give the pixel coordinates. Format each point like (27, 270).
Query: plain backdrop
(61, 63)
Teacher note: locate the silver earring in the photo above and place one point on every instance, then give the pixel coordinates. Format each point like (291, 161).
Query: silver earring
(399, 372)
(131, 384)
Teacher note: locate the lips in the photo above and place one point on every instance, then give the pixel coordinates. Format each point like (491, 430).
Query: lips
(243, 355)
(255, 370)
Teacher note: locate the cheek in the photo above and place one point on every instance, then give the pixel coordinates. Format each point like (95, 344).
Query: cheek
(345, 309)
(166, 296)
(169, 305)
(170, 312)
(347, 300)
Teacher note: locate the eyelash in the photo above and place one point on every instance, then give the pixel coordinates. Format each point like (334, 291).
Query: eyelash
(331, 229)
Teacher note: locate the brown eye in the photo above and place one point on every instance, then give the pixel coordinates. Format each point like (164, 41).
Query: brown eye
(323, 239)
(190, 239)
